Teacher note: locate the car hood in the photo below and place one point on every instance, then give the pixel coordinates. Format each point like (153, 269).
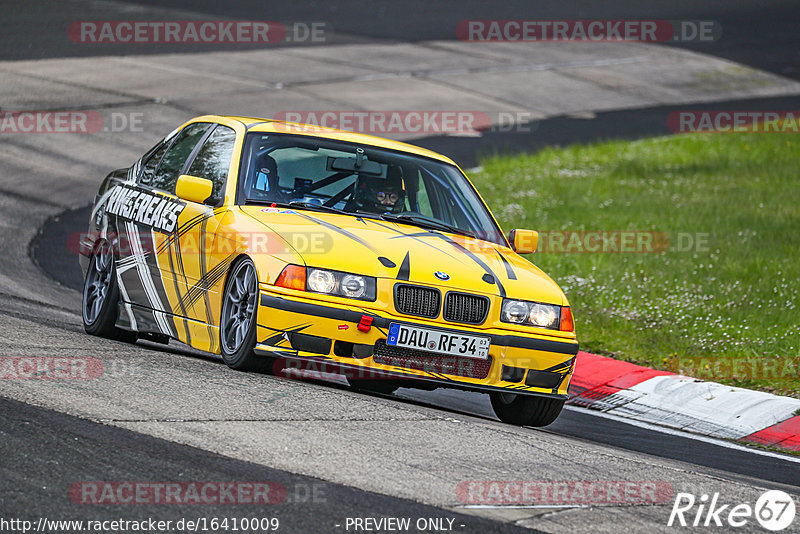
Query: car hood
(405, 252)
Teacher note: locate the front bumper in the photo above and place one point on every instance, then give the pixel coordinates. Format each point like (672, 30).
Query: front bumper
(324, 336)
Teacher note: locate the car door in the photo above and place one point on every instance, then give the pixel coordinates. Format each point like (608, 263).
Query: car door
(148, 215)
(190, 266)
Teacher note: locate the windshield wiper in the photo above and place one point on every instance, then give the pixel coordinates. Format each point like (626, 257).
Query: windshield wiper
(425, 222)
(296, 204)
(314, 207)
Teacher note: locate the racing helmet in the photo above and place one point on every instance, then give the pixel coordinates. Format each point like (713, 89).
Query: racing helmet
(380, 195)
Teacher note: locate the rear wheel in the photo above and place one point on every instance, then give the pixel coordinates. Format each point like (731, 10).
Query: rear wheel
(524, 410)
(237, 327)
(101, 296)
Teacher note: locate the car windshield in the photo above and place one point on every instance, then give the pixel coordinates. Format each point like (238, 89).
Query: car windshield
(323, 174)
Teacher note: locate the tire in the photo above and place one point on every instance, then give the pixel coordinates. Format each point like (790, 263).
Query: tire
(524, 410)
(237, 323)
(387, 387)
(100, 303)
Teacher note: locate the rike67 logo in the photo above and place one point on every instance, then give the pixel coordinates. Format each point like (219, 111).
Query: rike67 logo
(774, 510)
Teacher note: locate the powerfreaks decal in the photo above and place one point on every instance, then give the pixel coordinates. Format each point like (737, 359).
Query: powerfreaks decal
(151, 209)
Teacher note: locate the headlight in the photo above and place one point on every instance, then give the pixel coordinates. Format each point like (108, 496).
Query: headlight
(341, 284)
(354, 286)
(515, 311)
(531, 313)
(321, 281)
(543, 315)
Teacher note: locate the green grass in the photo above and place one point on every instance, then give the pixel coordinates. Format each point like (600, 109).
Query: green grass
(695, 311)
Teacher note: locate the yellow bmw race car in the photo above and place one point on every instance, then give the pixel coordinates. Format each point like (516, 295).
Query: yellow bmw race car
(267, 241)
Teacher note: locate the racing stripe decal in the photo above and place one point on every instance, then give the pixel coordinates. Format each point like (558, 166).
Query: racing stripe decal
(126, 263)
(338, 230)
(174, 239)
(180, 304)
(145, 271)
(562, 367)
(125, 299)
(405, 268)
(208, 280)
(280, 335)
(184, 228)
(415, 237)
(142, 268)
(509, 270)
(209, 313)
(123, 266)
(274, 339)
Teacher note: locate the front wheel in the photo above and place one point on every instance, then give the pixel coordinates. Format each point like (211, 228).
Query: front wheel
(524, 410)
(101, 296)
(237, 326)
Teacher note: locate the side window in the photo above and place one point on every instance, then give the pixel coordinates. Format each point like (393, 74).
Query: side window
(150, 165)
(214, 159)
(172, 162)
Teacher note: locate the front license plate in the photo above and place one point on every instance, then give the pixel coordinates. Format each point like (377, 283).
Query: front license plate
(413, 337)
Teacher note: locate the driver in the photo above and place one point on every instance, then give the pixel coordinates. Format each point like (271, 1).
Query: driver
(379, 195)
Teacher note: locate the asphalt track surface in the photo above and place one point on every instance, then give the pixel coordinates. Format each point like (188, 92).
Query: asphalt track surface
(758, 33)
(45, 451)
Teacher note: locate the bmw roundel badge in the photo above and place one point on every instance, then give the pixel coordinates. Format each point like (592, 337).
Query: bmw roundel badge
(441, 275)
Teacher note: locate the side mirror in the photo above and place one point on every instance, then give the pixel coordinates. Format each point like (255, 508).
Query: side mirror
(194, 189)
(523, 241)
